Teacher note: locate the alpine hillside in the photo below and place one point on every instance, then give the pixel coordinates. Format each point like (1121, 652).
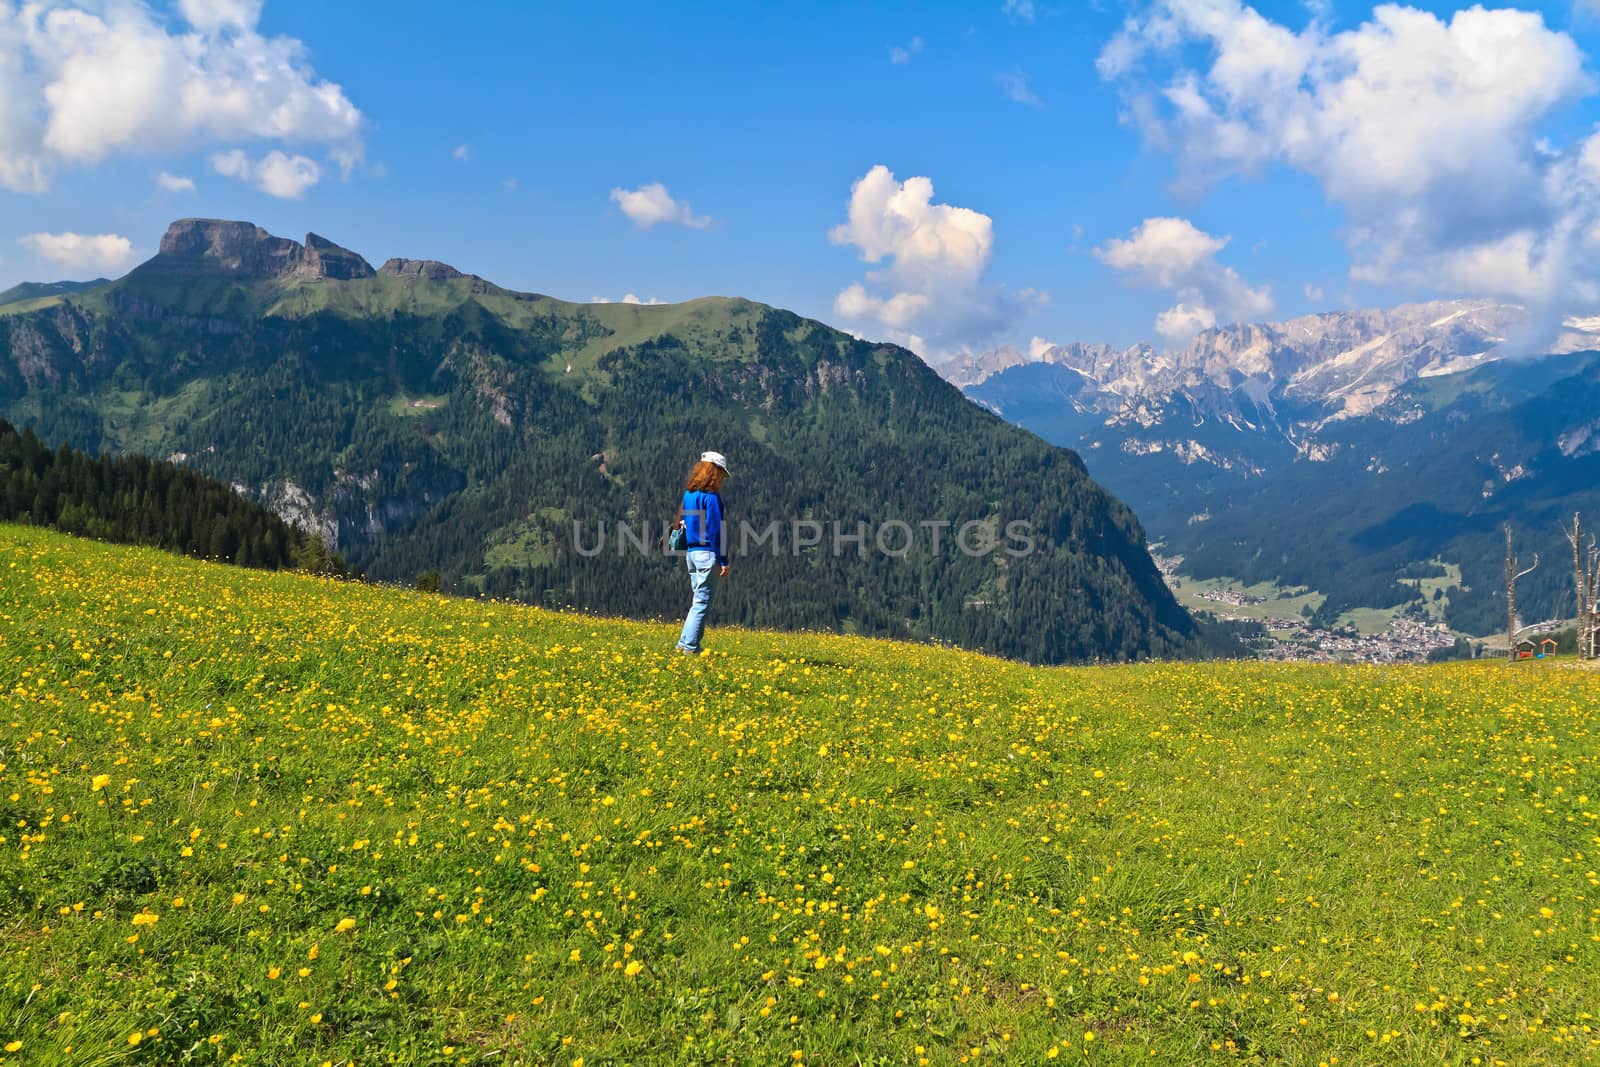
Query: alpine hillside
(1347, 452)
(423, 419)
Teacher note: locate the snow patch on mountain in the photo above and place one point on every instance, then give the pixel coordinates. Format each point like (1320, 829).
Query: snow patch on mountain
(1580, 440)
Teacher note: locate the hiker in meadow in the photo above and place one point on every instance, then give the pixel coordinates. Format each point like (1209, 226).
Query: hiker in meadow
(703, 544)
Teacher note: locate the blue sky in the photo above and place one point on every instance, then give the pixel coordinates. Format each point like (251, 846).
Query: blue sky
(493, 137)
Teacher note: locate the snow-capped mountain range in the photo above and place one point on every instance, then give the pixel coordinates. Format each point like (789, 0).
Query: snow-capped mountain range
(1340, 363)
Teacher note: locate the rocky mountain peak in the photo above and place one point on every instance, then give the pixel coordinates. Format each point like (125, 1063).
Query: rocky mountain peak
(430, 269)
(241, 248)
(245, 250)
(324, 259)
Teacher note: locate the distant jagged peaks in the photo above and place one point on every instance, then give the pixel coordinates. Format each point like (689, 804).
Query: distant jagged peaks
(1353, 361)
(245, 250)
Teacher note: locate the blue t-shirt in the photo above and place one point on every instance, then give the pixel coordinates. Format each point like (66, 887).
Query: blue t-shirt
(702, 523)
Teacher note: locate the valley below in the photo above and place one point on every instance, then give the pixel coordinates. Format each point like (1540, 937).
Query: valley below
(1414, 632)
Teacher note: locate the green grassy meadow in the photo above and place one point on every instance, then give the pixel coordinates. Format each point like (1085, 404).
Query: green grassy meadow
(264, 818)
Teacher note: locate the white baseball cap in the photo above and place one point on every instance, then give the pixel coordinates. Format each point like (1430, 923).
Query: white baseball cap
(715, 457)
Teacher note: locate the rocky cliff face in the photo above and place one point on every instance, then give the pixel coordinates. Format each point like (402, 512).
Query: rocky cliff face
(430, 269)
(321, 258)
(245, 250)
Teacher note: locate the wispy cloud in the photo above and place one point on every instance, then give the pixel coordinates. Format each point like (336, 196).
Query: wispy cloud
(901, 54)
(460, 153)
(1019, 10)
(172, 183)
(1016, 87)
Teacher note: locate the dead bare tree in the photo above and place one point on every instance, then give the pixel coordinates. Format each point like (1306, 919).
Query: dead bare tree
(1513, 576)
(1591, 639)
(1586, 581)
(1575, 536)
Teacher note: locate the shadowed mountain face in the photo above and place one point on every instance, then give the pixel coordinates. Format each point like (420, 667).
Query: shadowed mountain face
(1341, 451)
(428, 420)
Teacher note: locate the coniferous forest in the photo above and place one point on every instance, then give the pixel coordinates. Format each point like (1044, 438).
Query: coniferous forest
(134, 500)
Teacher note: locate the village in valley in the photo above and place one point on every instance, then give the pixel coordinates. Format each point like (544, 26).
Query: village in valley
(1288, 634)
(1282, 624)
(1407, 639)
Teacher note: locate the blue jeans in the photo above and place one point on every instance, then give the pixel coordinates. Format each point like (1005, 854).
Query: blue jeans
(702, 579)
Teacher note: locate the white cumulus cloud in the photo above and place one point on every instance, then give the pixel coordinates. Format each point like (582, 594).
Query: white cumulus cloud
(929, 293)
(627, 298)
(276, 173)
(651, 204)
(174, 183)
(101, 253)
(1181, 322)
(1175, 254)
(82, 80)
(1426, 132)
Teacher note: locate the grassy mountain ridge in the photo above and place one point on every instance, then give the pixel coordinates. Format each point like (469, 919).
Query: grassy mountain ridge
(32, 295)
(445, 423)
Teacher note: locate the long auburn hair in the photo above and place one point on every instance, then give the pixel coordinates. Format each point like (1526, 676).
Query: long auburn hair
(706, 477)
